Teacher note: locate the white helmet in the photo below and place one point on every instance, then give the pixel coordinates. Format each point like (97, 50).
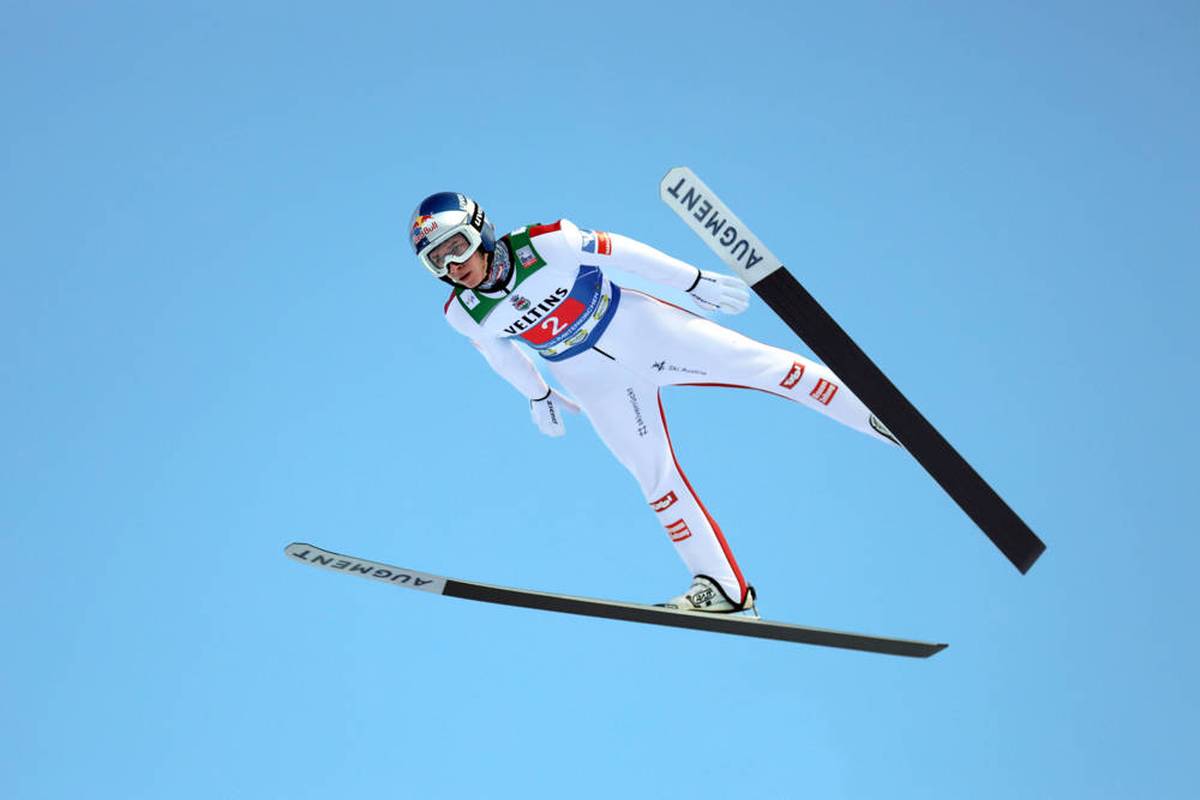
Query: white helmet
(447, 228)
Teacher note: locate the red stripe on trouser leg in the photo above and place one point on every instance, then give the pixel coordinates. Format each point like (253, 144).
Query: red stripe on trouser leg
(737, 572)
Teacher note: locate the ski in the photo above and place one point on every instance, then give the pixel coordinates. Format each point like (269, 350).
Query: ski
(749, 258)
(608, 609)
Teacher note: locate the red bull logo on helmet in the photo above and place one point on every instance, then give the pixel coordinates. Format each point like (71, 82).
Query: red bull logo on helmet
(422, 226)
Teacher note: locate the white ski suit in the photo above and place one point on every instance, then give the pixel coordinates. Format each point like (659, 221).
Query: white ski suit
(613, 349)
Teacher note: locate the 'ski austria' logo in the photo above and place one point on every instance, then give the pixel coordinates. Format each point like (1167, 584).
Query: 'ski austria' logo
(663, 366)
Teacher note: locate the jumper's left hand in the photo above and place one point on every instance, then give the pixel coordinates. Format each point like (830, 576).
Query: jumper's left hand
(715, 291)
(547, 412)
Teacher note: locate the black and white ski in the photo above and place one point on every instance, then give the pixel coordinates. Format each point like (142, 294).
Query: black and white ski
(750, 259)
(609, 609)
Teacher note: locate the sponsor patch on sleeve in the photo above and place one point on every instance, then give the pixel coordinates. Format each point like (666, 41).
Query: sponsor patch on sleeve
(597, 242)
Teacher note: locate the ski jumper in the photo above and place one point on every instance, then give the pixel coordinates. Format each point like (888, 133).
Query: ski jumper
(614, 349)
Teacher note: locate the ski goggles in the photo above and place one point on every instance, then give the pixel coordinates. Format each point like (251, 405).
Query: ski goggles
(454, 248)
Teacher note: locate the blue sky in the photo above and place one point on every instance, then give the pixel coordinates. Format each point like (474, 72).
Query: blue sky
(217, 342)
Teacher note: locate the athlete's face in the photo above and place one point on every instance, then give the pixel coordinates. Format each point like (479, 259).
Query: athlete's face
(471, 272)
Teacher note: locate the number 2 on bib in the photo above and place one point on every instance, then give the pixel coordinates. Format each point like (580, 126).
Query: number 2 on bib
(555, 324)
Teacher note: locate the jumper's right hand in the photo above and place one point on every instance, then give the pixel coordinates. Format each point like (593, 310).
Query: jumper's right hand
(715, 291)
(547, 412)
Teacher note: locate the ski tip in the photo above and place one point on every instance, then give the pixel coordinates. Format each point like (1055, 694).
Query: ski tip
(676, 170)
(914, 649)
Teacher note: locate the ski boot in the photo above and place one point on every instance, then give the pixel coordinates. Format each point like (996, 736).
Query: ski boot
(707, 596)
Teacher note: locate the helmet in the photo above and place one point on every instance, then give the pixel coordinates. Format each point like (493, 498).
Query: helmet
(447, 228)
